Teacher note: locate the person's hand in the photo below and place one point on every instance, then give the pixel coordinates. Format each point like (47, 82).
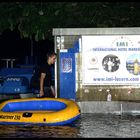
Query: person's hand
(41, 93)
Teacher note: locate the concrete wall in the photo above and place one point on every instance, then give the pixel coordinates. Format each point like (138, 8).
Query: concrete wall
(113, 107)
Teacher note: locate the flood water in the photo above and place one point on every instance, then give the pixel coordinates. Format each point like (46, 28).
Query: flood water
(88, 126)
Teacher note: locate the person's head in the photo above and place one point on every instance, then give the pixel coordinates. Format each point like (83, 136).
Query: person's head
(51, 57)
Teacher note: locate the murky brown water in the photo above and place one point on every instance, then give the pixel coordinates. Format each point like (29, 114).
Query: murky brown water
(13, 131)
(88, 126)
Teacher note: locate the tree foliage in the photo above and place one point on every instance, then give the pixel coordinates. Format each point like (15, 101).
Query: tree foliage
(37, 19)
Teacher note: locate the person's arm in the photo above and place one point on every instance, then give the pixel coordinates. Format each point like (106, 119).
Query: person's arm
(42, 77)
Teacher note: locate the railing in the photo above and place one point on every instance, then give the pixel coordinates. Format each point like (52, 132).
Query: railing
(7, 60)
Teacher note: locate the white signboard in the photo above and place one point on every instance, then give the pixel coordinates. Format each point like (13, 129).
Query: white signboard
(111, 60)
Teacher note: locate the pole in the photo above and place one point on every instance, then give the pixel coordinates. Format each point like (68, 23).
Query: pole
(31, 60)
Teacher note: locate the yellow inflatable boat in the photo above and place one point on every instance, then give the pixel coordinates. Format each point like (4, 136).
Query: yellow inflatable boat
(43, 111)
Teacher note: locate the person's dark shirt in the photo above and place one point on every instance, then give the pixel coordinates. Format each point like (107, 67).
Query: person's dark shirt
(47, 69)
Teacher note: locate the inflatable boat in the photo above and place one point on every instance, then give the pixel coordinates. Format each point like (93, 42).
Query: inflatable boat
(42, 111)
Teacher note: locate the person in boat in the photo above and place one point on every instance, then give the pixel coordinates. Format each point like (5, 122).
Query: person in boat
(42, 77)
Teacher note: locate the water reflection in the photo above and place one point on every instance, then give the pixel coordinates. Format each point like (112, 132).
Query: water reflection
(88, 126)
(18, 131)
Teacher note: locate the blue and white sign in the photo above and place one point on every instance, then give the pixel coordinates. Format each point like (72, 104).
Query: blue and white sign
(66, 65)
(111, 60)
